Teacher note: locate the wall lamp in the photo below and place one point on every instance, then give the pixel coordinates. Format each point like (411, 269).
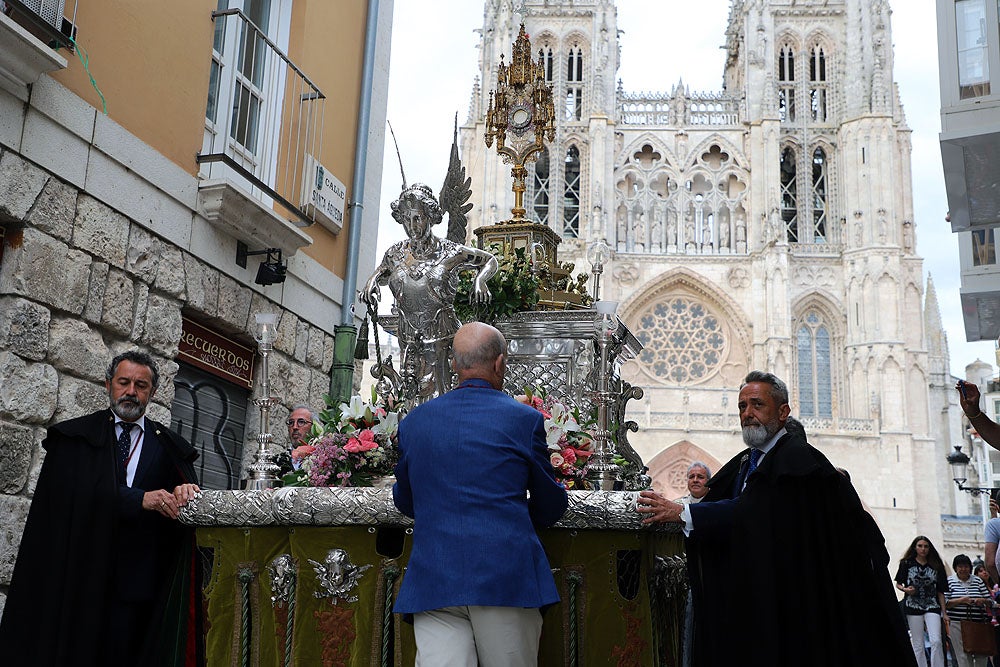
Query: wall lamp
(270, 271)
(959, 461)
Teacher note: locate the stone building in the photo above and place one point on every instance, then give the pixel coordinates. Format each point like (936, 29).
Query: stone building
(767, 225)
(139, 183)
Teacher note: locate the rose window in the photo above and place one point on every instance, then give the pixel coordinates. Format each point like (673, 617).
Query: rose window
(683, 341)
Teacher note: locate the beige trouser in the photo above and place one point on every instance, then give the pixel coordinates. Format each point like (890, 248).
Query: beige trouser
(468, 636)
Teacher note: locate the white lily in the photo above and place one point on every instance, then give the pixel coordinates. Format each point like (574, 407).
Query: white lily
(388, 424)
(553, 434)
(562, 416)
(354, 410)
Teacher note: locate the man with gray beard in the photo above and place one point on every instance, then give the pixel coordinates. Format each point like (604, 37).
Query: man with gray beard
(104, 570)
(786, 567)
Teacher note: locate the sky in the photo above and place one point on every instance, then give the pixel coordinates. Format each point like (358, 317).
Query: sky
(435, 61)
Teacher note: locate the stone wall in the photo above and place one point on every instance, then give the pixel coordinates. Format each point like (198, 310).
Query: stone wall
(81, 282)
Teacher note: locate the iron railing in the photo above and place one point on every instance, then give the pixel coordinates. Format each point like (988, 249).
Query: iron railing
(264, 120)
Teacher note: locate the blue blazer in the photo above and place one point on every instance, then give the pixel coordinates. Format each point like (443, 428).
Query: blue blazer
(467, 461)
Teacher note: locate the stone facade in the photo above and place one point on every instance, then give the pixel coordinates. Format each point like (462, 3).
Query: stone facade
(82, 280)
(769, 225)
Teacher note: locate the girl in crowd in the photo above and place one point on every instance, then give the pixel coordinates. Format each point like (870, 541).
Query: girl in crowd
(922, 577)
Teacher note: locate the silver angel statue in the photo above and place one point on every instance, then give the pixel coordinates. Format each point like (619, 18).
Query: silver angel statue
(337, 576)
(422, 273)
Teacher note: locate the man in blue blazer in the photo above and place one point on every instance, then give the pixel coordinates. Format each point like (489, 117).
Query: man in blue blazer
(477, 577)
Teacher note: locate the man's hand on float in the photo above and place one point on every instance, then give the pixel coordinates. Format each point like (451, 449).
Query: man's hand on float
(658, 509)
(185, 493)
(161, 501)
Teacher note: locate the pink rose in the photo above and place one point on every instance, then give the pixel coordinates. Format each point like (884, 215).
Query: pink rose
(302, 451)
(556, 460)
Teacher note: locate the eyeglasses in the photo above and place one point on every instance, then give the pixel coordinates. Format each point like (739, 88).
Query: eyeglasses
(297, 422)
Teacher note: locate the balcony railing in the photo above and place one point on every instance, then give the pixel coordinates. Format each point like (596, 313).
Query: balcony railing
(264, 120)
(680, 109)
(45, 19)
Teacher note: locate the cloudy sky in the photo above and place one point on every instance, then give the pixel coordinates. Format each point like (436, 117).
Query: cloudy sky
(434, 62)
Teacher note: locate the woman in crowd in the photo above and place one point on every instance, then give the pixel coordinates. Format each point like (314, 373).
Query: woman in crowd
(967, 599)
(922, 578)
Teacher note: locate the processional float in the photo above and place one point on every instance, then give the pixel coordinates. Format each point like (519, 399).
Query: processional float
(308, 575)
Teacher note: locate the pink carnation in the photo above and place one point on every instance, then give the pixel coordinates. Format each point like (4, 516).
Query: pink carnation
(569, 455)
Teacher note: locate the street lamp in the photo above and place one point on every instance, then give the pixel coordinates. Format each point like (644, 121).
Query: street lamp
(959, 461)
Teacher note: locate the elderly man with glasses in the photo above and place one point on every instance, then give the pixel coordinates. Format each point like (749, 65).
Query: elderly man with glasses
(299, 423)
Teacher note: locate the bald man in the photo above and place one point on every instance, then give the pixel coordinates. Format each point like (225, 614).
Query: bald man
(477, 577)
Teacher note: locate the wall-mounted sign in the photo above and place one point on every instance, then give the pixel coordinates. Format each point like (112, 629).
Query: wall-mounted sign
(216, 354)
(323, 196)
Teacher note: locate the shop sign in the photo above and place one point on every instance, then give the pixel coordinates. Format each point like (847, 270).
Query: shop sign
(216, 354)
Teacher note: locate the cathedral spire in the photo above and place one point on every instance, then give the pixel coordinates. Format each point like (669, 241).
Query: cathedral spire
(937, 338)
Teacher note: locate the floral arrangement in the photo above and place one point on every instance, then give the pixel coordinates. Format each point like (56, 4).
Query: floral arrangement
(567, 436)
(514, 288)
(355, 443)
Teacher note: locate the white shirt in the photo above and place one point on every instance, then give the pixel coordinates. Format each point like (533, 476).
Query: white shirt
(135, 449)
(768, 446)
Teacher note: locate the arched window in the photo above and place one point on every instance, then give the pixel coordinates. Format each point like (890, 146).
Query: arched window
(539, 190)
(817, 84)
(786, 84)
(574, 84)
(545, 55)
(571, 193)
(815, 384)
(789, 196)
(819, 201)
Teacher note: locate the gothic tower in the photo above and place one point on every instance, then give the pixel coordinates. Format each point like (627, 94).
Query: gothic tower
(767, 225)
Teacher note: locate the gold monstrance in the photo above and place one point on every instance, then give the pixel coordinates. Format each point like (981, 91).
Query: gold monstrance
(520, 115)
(521, 118)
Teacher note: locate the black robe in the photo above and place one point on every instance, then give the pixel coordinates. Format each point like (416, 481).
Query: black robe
(793, 571)
(57, 608)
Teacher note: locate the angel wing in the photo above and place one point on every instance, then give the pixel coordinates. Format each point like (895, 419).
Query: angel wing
(455, 193)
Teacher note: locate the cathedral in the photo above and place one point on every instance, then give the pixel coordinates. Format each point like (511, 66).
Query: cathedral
(768, 225)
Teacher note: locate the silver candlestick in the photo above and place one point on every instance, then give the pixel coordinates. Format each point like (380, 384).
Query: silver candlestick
(603, 470)
(263, 471)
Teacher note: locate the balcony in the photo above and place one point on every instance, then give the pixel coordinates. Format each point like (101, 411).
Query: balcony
(263, 136)
(969, 66)
(23, 56)
(678, 109)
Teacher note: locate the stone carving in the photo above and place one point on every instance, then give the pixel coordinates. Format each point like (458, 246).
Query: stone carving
(337, 576)
(908, 236)
(625, 274)
(738, 277)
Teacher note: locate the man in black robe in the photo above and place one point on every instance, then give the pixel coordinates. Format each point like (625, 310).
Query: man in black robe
(786, 567)
(94, 582)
